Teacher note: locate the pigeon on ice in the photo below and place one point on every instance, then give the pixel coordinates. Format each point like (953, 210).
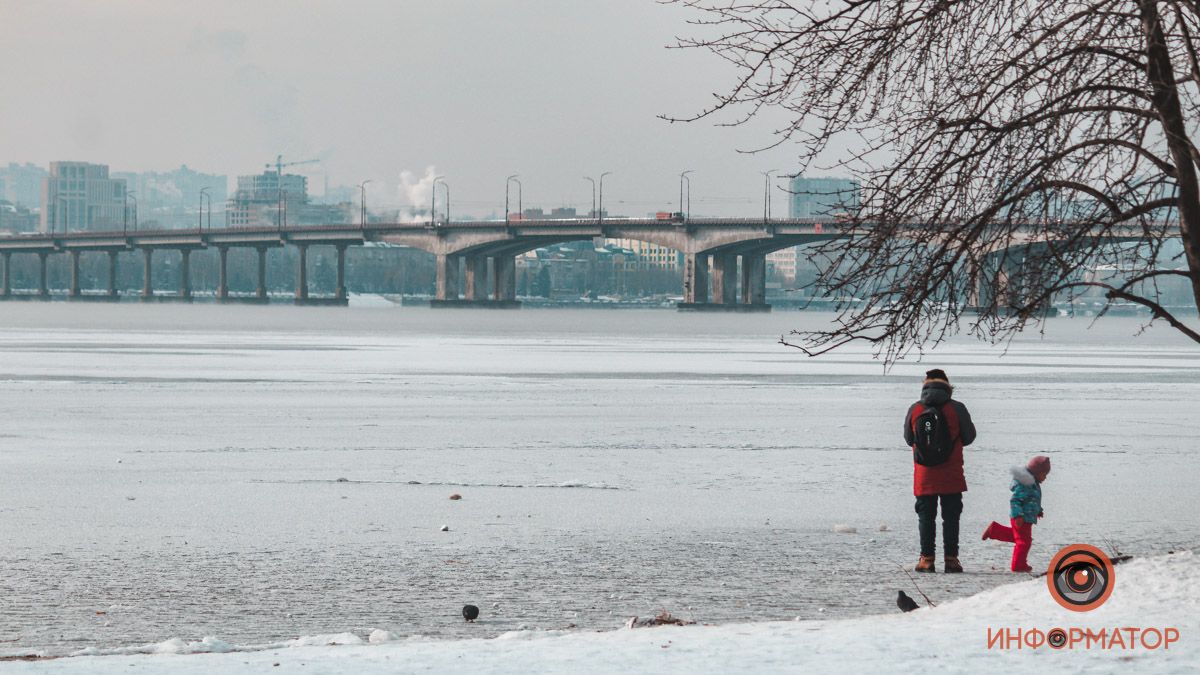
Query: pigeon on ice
(471, 612)
(905, 603)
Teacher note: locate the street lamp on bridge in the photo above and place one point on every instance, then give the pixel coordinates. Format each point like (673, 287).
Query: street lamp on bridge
(600, 213)
(512, 179)
(125, 220)
(60, 214)
(362, 211)
(200, 214)
(446, 186)
(683, 177)
(593, 182)
(767, 194)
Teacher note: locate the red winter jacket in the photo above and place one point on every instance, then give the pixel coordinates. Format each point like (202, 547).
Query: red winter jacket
(948, 477)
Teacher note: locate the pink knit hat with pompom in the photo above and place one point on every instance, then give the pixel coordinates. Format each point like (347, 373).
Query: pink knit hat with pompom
(1039, 466)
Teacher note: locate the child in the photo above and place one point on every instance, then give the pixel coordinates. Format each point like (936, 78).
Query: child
(1026, 508)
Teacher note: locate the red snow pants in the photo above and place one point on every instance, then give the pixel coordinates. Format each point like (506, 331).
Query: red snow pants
(1020, 535)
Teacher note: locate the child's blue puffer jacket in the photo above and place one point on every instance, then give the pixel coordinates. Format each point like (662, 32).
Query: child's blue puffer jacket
(1026, 499)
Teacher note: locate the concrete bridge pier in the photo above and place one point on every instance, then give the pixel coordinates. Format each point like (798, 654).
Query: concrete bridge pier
(302, 274)
(695, 279)
(724, 278)
(6, 280)
(304, 295)
(1008, 278)
(43, 289)
(223, 274)
(993, 281)
(185, 274)
(982, 277)
(148, 274)
(1020, 290)
(447, 278)
(504, 267)
(260, 291)
(475, 284)
(340, 293)
(754, 280)
(475, 279)
(112, 274)
(74, 292)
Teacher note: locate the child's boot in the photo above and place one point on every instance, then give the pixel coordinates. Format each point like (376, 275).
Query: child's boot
(925, 564)
(992, 531)
(951, 565)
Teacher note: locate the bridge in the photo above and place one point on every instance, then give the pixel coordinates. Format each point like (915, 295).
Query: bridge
(475, 260)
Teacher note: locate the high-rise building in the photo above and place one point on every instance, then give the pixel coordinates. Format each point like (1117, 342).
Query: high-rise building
(268, 199)
(823, 197)
(81, 196)
(21, 184)
(264, 199)
(782, 264)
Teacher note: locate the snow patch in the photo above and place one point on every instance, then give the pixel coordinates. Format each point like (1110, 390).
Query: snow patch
(1154, 592)
(379, 636)
(207, 645)
(325, 640)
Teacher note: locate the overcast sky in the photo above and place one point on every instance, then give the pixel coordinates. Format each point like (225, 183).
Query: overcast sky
(551, 89)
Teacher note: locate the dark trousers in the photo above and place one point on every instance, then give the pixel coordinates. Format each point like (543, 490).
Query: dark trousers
(927, 506)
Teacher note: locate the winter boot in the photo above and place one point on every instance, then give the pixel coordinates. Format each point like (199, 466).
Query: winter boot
(925, 564)
(952, 566)
(990, 532)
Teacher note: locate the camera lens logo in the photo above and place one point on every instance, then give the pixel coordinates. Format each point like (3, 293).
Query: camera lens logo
(1080, 577)
(1057, 638)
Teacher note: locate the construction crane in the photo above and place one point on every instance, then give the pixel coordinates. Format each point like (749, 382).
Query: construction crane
(279, 163)
(280, 218)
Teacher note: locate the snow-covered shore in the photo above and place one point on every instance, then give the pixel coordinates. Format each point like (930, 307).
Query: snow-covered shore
(1161, 592)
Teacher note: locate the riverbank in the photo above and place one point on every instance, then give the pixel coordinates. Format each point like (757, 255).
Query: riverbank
(1158, 593)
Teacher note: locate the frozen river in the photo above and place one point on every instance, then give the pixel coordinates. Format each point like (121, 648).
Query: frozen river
(258, 474)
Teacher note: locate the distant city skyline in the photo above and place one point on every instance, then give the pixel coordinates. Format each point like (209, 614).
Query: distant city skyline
(394, 92)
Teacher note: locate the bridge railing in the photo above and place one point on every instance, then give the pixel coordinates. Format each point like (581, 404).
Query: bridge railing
(384, 227)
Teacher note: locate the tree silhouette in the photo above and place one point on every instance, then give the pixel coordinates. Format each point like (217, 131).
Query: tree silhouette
(541, 282)
(1006, 151)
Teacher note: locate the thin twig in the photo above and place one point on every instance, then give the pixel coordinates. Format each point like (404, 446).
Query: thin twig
(914, 583)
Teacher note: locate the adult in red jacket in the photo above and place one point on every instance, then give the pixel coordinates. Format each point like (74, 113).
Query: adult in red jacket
(944, 482)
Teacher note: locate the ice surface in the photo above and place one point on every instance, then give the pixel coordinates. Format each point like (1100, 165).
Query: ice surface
(1157, 593)
(611, 464)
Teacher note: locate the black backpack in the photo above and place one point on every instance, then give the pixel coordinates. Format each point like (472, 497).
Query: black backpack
(931, 434)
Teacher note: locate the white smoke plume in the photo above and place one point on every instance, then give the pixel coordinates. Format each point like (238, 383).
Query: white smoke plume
(415, 193)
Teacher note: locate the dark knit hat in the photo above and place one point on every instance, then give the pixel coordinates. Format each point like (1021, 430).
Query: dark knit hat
(1040, 467)
(936, 374)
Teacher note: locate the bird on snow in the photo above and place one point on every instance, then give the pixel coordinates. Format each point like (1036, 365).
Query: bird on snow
(905, 603)
(471, 612)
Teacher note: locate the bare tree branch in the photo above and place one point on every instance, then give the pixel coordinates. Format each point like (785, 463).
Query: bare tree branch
(1010, 154)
